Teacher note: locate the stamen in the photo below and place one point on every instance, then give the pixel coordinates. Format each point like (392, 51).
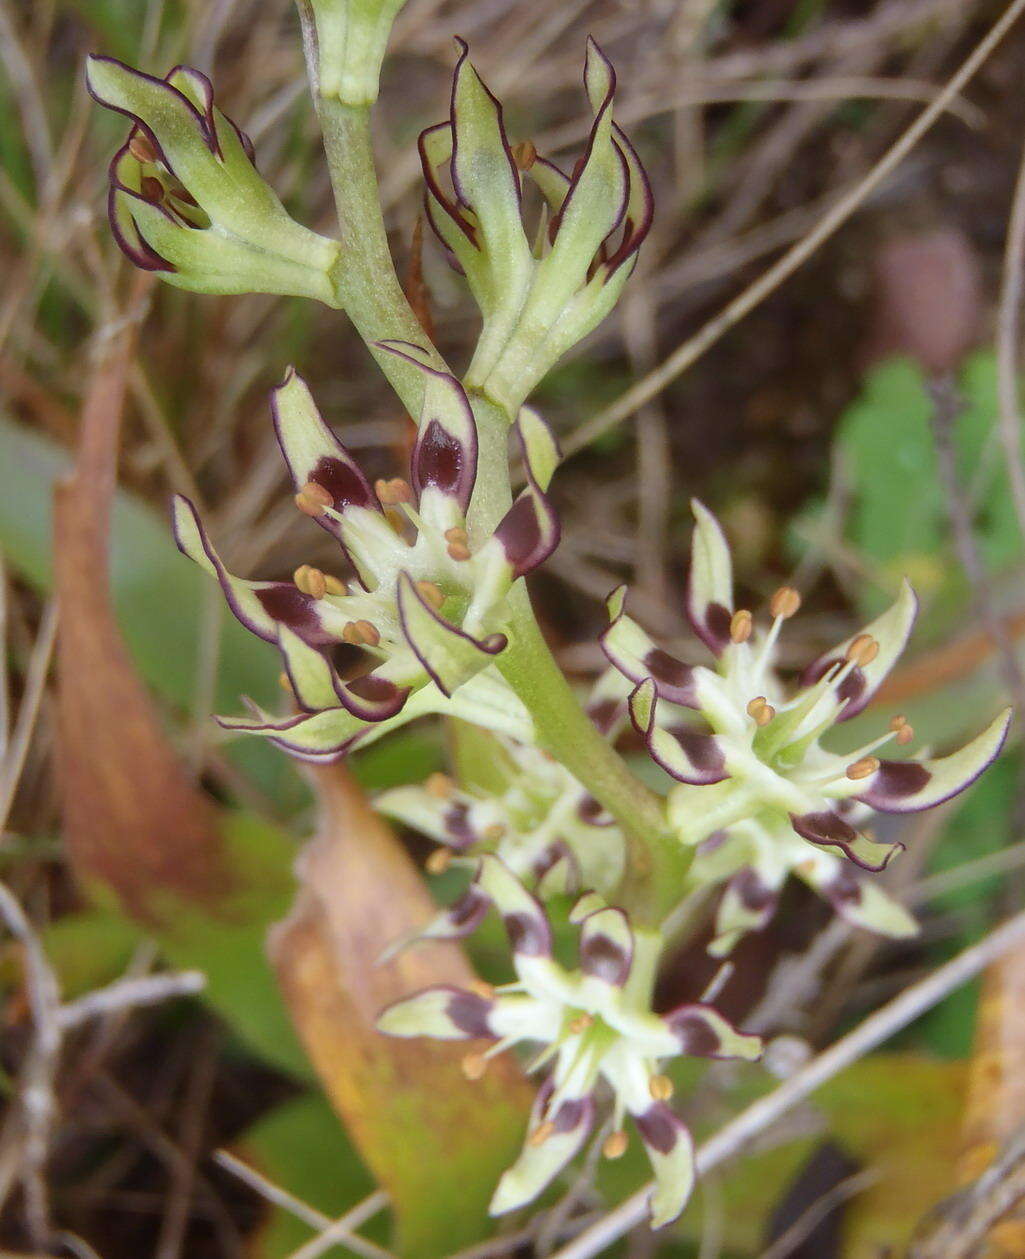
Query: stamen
(785, 603)
(391, 493)
(524, 154)
(141, 147)
(862, 650)
(368, 632)
(661, 1088)
(285, 682)
(903, 729)
(483, 989)
(741, 625)
(541, 1133)
(439, 861)
(473, 1066)
(440, 786)
(151, 189)
(581, 1023)
(615, 1144)
(494, 832)
(431, 593)
(334, 585)
(458, 551)
(455, 534)
(761, 710)
(312, 499)
(311, 581)
(864, 768)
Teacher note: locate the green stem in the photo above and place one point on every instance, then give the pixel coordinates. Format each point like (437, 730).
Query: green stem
(364, 275)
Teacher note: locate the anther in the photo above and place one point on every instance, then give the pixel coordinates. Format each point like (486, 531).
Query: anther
(581, 1023)
(151, 189)
(439, 861)
(313, 498)
(661, 1088)
(333, 585)
(455, 534)
(285, 682)
(541, 1133)
(458, 551)
(440, 786)
(785, 602)
(494, 832)
(474, 1066)
(483, 989)
(614, 1145)
(311, 581)
(141, 148)
(741, 625)
(524, 154)
(862, 650)
(431, 593)
(864, 768)
(393, 492)
(368, 632)
(761, 710)
(902, 728)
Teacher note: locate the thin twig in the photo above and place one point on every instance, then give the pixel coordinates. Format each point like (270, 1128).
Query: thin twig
(692, 349)
(129, 994)
(343, 1230)
(810, 1218)
(868, 1035)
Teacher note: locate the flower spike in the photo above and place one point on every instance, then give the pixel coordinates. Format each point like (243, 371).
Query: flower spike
(591, 1024)
(186, 199)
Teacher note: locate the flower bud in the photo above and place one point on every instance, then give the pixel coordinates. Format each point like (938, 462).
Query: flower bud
(186, 199)
(536, 302)
(349, 38)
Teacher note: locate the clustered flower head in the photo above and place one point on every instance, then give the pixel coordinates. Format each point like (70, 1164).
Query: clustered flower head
(537, 298)
(426, 605)
(592, 1026)
(546, 828)
(186, 199)
(758, 791)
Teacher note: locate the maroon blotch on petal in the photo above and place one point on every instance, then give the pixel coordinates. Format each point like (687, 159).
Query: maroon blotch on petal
(528, 934)
(469, 1012)
(673, 679)
(695, 1035)
(896, 780)
(457, 825)
(658, 1127)
(602, 958)
(752, 891)
(604, 713)
(345, 483)
(287, 604)
(702, 751)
